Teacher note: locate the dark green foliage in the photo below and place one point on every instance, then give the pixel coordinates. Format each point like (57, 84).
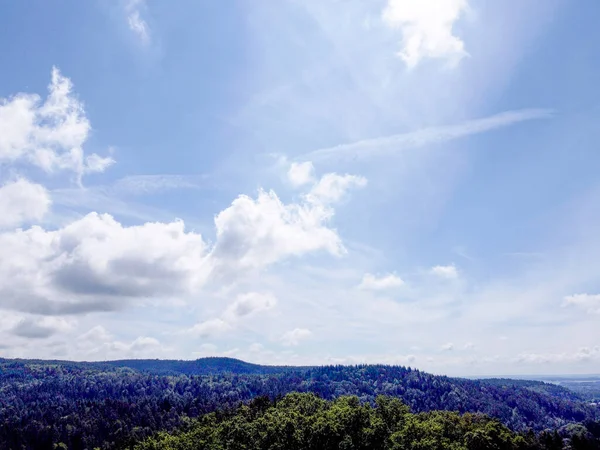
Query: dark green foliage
(108, 405)
(305, 422)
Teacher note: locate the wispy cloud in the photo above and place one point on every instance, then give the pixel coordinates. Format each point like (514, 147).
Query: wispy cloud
(117, 197)
(95, 198)
(368, 148)
(151, 184)
(137, 24)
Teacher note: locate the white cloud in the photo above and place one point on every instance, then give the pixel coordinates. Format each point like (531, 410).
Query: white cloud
(295, 336)
(448, 347)
(96, 163)
(427, 28)
(143, 343)
(589, 303)
(209, 328)
(95, 263)
(137, 24)
(99, 344)
(586, 353)
(449, 272)
(469, 346)
(22, 201)
(388, 145)
(95, 334)
(254, 233)
(582, 355)
(301, 174)
(245, 306)
(40, 328)
(332, 187)
(373, 282)
(49, 135)
(249, 304)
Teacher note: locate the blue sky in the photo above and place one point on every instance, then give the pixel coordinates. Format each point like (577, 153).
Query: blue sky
(302, 182)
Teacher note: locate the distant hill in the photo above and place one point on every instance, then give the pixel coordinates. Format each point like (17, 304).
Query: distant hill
(222, 365)
(202, 366)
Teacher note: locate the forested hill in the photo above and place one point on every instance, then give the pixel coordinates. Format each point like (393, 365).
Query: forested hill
(220, 365)
(306, 422)
(110, 404)
(202, 366)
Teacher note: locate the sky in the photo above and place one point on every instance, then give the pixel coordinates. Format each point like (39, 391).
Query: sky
(302, 182)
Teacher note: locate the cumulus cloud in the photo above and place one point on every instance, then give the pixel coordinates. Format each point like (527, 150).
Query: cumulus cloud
(143, 343)
(96, 263)
(40, 328)
(98, 343)
(588, 303)
(48, 134)
(301, 174)
(427, 29)
(22, 201)
(295, 336)
(372, 282)
(254, 233)
(249, 304)
(95, 334)
(449, 272)
(209, 328)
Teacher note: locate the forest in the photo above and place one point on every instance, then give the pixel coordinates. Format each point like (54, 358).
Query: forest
(304, 421)
(124, 404)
